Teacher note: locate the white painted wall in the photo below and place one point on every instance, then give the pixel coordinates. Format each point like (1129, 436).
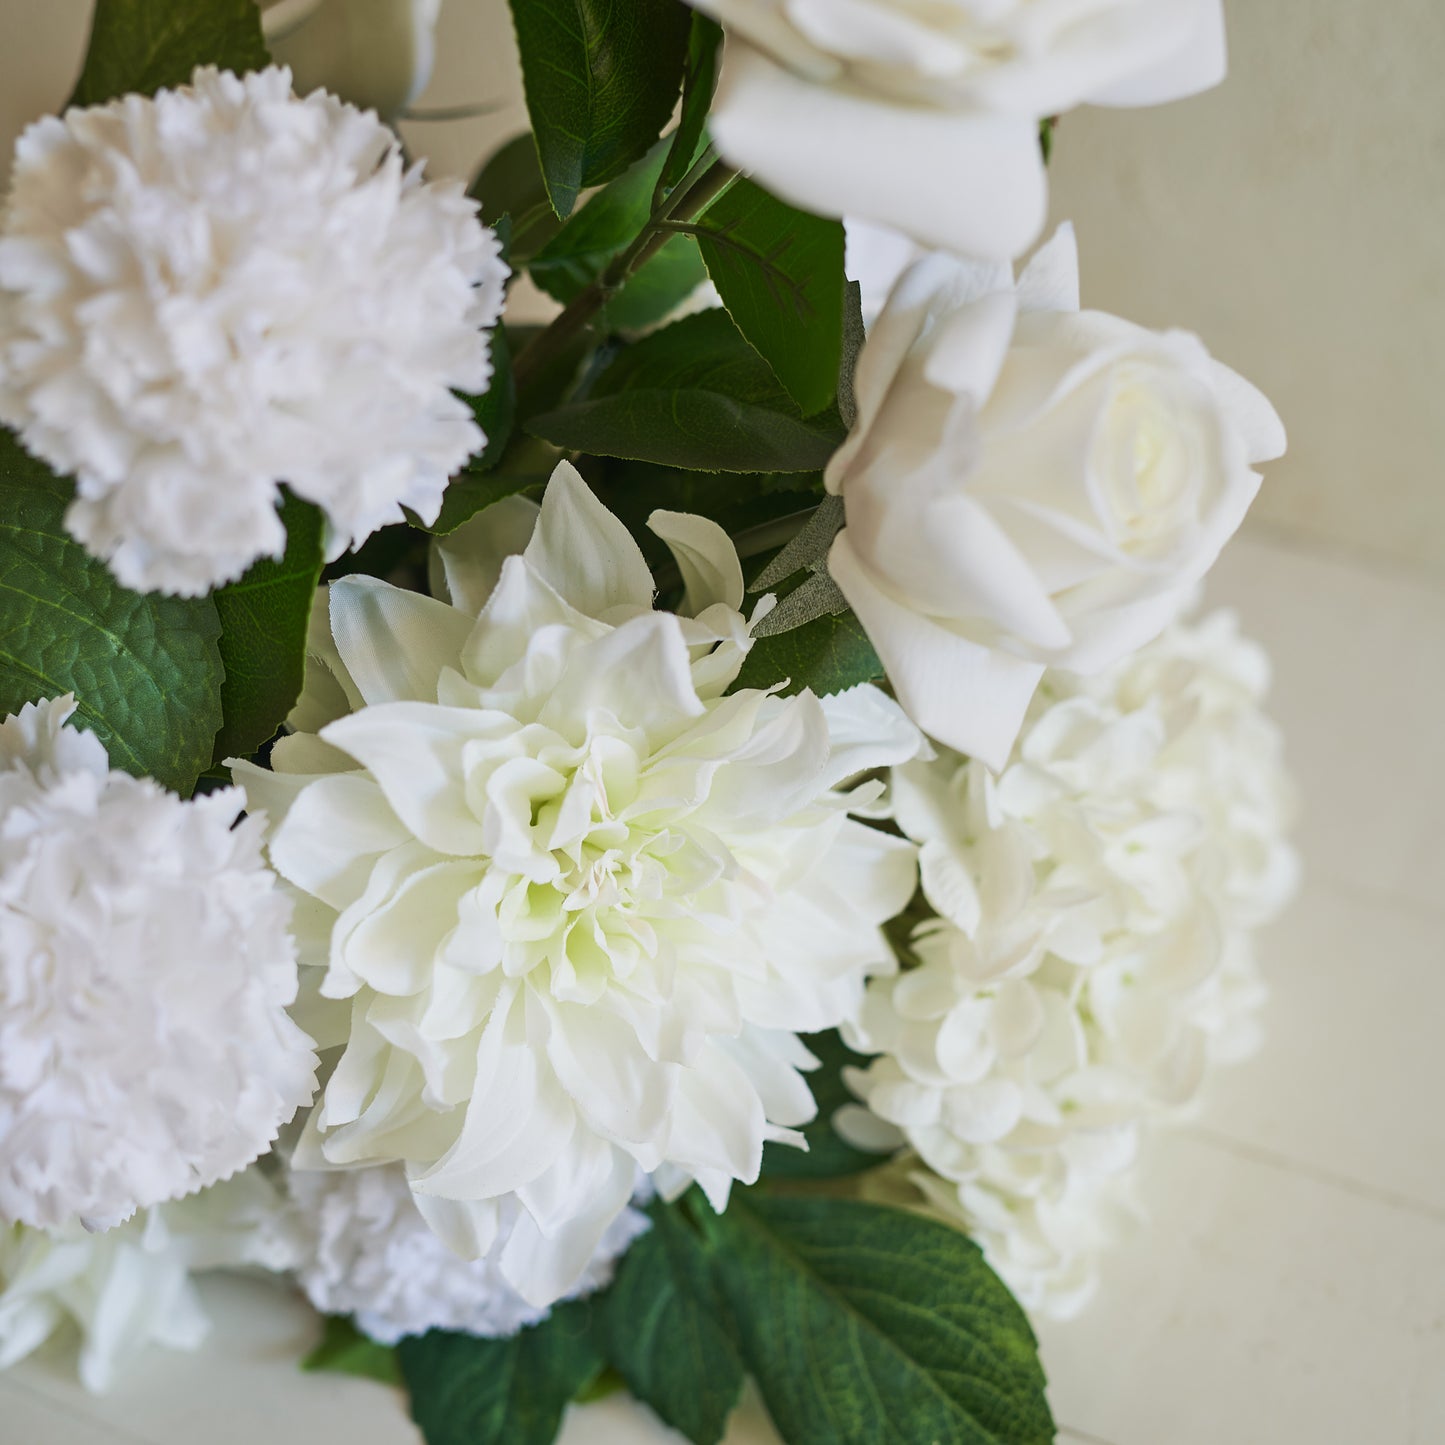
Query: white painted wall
(1295, 218)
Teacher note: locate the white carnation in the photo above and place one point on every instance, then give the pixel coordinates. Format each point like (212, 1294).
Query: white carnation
(145, 972)
(369, 1253)
(130, 1287)
(225, 288)
(579, 901)
(1093, 956)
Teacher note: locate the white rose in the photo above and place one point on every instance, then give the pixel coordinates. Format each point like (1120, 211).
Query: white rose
(376, 54)
(1030, 485)
(925, 116)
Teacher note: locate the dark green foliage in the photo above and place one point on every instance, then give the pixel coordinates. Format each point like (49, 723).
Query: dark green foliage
(264, 617)
(145, 45)
(601, 78)
(145, 670)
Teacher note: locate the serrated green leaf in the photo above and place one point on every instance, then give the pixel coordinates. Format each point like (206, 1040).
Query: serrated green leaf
(466, 1391)
(141, 46)
(779, 272)
(510, 184)
(829, 654)
(659, 1326)
(344, 1350)
(829, 1155)
(264, 617)
(865, 1324)
(601, 78)
(145, 670)
(704, 50)
(609, 222)
(694, 395)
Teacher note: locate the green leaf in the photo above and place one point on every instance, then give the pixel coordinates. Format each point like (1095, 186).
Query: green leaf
(632, 491)
(145, 670)
(704, 49)
(496, 408)
(604, 228)
(510, 184)
(658, 287)
(264, 617)
(854, 335)
(659, 1327)
(829, 654)
(864, 1324)
(779, 272)
(466, 1391)
(601, 78)
(829, 1155)
(527, 466)
(694, 395)
(141, 46)
(344, 1350)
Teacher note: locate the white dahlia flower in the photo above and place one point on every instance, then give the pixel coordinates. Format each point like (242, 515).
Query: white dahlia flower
(369, 1253)
(131, 1287)
(225, 288)
(1093, 955)
(145, 973)
(579, 900)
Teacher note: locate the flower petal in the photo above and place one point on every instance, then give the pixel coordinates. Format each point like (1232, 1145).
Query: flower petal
(971, 697)
(584, 552)
(988, 193)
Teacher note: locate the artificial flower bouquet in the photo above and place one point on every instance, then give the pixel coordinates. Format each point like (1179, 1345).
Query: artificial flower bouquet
(688, 841)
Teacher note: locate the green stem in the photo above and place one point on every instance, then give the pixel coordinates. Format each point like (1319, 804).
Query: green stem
(702, 185)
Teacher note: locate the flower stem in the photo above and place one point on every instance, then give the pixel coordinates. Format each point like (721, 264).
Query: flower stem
(697, 190)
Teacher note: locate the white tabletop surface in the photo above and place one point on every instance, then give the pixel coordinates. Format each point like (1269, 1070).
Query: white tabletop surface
(1290, 1289)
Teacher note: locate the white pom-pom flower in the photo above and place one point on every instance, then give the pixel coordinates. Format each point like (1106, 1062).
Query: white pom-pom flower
(1093, 955)
(145, 973)
(369, 1253)
(131, 1287)
(581, 902)
(209, 293)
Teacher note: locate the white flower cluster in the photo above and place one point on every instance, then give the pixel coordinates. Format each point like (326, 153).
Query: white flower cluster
(1092, 956)
(131, 1287)
(579, 901)
(225, 288)
(367, 1251)
(145, 972)
(925, 116)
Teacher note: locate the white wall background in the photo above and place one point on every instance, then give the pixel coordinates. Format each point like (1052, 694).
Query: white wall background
(1295, 218)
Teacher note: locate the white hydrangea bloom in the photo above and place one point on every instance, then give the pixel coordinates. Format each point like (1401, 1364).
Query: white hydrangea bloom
(225, 288)
(1093, 956)
(145, 973)
(369, 1253)
(131, 1287)
(579, 900)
